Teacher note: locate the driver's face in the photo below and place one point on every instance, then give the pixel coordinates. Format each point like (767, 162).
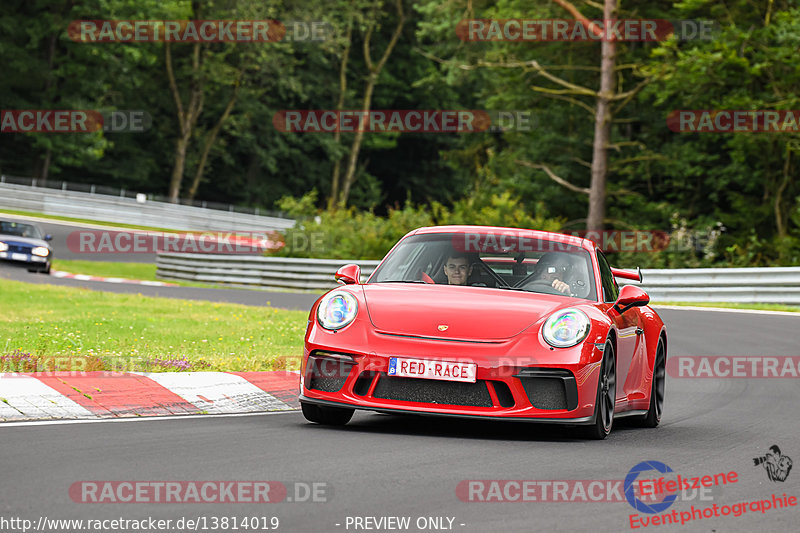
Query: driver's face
(457, 270)
(553, 272)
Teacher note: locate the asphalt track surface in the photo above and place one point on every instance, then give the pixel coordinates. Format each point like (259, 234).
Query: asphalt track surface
(285, 300)
(383, 466)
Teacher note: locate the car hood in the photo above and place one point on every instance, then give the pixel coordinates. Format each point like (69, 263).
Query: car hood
(469, 313)
(9, 239)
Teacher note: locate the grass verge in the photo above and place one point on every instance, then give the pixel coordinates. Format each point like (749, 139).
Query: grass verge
(107, 269)
(133, 271)
(47, 327)
(730, 305)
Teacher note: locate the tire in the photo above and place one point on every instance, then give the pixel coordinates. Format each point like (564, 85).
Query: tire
(328, 416)
(40, 270)
(606, 397)
(653, 416)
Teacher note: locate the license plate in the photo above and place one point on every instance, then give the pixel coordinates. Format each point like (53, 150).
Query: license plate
(19, 257)
(441, 370)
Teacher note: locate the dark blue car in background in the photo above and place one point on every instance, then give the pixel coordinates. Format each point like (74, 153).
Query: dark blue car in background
(25, 244)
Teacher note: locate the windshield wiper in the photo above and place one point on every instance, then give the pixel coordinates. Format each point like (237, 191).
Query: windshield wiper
(510, 288)
(401, 281)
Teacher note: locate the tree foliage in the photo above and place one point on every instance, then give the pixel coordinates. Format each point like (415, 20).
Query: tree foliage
(734, 197)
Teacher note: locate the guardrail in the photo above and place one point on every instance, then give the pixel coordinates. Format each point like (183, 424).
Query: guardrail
(743, 285)
(746, 285)
(264, 272)
(126, 210)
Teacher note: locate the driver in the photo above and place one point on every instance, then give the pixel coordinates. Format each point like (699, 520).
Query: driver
(457, 268)
(553, 268)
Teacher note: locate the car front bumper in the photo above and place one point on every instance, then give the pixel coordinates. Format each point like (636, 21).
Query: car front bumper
(22, 257)
(554, 386)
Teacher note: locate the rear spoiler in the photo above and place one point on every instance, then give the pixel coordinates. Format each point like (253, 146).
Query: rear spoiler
(628, 274)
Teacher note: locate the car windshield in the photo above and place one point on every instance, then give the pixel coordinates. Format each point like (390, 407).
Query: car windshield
(18, 229)
(496, 261)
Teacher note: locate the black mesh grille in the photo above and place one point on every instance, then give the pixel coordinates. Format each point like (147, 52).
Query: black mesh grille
(19, 249)
(328, 375)
(433, 391)
(545, 393)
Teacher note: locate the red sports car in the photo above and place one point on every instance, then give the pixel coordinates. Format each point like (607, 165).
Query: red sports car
(487, 322)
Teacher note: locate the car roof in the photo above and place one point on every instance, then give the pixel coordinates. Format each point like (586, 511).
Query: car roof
(512, 232)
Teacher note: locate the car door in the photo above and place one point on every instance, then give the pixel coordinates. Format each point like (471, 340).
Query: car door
(626, 325)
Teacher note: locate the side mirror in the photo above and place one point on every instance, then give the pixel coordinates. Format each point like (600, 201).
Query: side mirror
(349, 274)
(48, 237)
(630, 296)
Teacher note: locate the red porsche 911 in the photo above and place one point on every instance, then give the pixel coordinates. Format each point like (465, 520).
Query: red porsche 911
(487, 322)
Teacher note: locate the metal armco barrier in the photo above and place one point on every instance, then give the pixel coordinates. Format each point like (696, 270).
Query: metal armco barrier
(747, 285)
(121, 209)
(266, 272)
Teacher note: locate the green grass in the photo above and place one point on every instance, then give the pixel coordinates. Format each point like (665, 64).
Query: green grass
(134, 271)
(84, 220)
(107, 269)
(727, 305)
(79, 329)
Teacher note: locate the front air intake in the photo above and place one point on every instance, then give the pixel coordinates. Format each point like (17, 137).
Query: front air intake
(549, 388)
(328, 372)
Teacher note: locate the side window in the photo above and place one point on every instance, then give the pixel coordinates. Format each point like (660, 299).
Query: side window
(610, 287)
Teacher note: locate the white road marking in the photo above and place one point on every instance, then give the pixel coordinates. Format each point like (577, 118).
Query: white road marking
(135, 419)
(217, 392)
(27, 397)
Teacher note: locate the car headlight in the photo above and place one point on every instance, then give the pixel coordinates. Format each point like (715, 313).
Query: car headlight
(337, 309)
(566, 328)
(41, 251)
(3, 247)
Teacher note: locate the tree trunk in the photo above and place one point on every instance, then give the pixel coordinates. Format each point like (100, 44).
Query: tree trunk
(602, 127)
(46, 167)
(374, 71)
(352, 160)
(333, 199)
(179, 163)
(212, 136)
(186, 119)
(780, 223)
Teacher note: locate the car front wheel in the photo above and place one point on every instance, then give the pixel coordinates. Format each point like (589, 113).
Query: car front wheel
(606, 397)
